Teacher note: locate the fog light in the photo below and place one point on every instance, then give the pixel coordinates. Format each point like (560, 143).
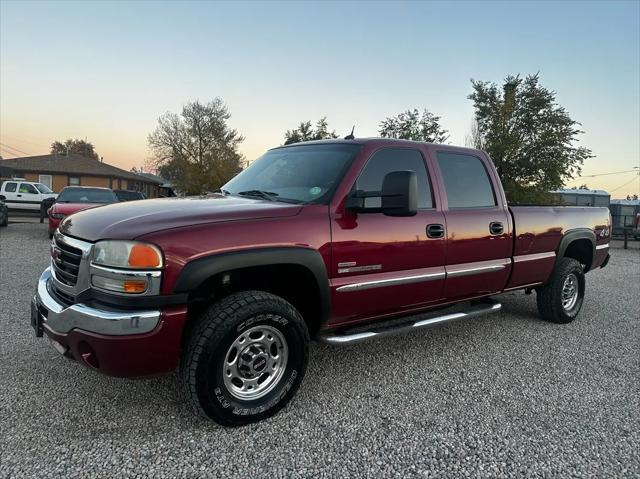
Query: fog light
(119, 285)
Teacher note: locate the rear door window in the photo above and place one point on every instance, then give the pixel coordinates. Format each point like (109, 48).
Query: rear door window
(394, 159)
(466, 181)
(10, 187)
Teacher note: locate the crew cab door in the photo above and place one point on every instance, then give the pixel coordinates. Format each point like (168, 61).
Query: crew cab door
(479, 242)
(383, 264)
(28, 197)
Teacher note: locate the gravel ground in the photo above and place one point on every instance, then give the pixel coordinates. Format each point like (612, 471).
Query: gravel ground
(501, 396)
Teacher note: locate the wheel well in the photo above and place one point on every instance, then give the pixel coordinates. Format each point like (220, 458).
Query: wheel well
(581, 250)
(293, 282)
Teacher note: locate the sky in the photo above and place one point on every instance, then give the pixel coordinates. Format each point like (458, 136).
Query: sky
(106, 71)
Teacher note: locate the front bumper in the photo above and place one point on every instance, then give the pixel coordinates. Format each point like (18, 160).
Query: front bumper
(62, 319)
(118, 343)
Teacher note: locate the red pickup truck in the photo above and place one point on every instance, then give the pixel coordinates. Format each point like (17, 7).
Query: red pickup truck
(339, 240)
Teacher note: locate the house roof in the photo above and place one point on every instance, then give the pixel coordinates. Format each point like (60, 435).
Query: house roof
(70, 165)
(581, 191)
(151, 176)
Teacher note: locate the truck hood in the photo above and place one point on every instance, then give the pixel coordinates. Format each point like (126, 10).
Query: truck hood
(132, 219)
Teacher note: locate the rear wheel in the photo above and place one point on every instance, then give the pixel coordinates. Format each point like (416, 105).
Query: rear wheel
(245, 358)
(560, 300)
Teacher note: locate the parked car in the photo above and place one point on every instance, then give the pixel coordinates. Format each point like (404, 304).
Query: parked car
(24, 195)
(636, 227)
(77, 198)
(313, 240)
(129, 195)
(4, 214)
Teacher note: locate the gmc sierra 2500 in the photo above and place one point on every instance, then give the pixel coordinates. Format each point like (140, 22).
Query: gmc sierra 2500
(314, 240)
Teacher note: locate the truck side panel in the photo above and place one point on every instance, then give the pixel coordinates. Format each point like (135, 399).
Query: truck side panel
(539, 231)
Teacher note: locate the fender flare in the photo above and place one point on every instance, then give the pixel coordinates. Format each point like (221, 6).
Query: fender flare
(199, 270)
(573, 235)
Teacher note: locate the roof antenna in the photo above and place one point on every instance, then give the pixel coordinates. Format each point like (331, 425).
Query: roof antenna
(350, 135)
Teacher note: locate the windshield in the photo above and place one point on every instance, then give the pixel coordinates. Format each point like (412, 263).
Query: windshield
(296, 174)
(42, 188)
(86, 195)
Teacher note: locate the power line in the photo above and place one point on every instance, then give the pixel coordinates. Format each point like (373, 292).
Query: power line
(9, 148)
(622, 186)
(602, 174)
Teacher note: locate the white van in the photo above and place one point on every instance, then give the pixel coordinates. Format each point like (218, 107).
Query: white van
(19, 194)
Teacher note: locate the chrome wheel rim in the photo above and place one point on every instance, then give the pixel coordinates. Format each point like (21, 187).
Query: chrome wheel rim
(255, 362)
(570, 292)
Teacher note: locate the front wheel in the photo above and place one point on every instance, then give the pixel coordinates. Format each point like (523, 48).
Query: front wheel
(245, 358)
(560, 300)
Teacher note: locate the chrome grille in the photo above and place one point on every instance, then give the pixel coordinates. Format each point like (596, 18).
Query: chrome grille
(66, 260)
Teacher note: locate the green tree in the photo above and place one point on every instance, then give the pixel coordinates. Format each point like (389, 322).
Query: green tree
(305, 132)
(412, 125)
(529, 136)
(197, 149)
(74, 146)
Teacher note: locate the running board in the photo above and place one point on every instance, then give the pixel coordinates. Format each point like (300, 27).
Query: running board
(346, 338)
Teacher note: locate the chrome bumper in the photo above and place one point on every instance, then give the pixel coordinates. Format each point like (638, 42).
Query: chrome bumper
(62, 319)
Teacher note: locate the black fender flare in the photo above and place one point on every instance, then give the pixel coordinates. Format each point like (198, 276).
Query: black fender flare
(199, 270)
(573, 235)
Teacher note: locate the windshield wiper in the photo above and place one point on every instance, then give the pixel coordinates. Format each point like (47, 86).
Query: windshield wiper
(267, 195)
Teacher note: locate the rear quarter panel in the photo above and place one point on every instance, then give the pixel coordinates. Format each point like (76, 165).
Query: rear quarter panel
(539, 231)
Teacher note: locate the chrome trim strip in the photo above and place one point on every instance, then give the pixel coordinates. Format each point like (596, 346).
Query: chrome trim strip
(533, 257)
(602, 246)
(391, 282)
(498, 265)
(61, 319)
(339, 339)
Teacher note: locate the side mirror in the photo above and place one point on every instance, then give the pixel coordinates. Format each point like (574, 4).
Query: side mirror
(398, 197)
(400, 193)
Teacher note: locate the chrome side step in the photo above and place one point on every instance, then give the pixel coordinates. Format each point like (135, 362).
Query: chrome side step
(356, 337)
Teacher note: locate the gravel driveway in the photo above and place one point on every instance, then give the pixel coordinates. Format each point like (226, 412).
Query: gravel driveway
(500, 396)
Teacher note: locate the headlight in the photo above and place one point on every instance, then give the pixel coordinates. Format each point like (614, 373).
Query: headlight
(127, 254)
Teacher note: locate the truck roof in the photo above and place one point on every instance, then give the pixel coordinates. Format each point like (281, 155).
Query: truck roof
(377, 141)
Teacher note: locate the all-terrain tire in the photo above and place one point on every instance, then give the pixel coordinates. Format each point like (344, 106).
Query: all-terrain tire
(556, 302)
(227, 325)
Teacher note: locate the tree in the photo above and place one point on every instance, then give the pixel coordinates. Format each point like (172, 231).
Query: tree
(76, 147)
(411, 125)
(197, 149)
(529, 136)
(305, 132)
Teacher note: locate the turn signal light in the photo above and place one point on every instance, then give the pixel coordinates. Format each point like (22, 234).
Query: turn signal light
(144, 256)
(131, 286)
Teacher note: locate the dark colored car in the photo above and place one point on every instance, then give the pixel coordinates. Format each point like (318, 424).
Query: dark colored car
(4, 214)
(129, 195)
(77, 198)
(338, 240)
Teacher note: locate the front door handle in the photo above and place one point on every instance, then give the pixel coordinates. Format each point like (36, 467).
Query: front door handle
(496, 228)
(435, 231)
(19, 196)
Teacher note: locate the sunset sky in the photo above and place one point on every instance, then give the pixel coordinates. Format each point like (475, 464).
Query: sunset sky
(105, 71)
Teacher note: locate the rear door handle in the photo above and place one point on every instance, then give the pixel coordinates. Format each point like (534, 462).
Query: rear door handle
(496, 228)
(435, 231)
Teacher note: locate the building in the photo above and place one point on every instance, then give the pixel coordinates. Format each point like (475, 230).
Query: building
(580, 197)
(58, 171)
(165, 190)
(623, 214)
